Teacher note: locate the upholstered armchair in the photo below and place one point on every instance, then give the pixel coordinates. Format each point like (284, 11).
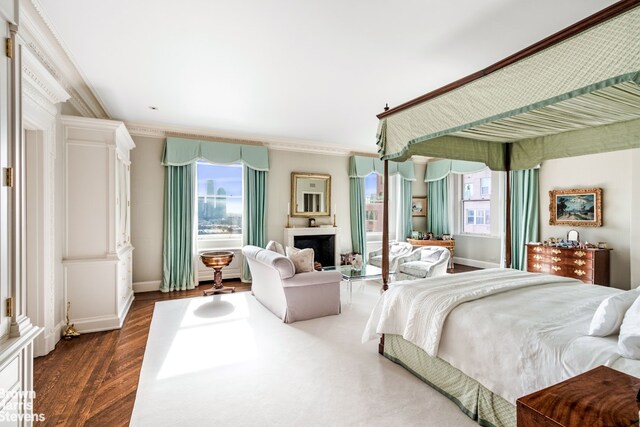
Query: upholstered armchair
(429, 261)
(396, 250)
(289, 295)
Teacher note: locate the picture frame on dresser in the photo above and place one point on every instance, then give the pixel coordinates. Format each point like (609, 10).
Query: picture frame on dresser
(580, 207)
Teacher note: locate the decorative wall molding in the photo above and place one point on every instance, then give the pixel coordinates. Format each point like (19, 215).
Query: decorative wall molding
(41, 39)
(163, 131)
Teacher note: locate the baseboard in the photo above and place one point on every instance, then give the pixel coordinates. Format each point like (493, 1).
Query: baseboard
(475, 263)
(57, 333)
(150, 286)
(125, 308)
(97, 324)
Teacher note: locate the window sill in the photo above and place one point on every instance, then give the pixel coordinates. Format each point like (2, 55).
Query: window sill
(211, 242)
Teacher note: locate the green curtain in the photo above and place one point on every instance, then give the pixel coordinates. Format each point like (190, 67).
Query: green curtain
(255, 212)
(525, 213)
(405, 226)
(178, 242)
(357, 202)
(438, 206)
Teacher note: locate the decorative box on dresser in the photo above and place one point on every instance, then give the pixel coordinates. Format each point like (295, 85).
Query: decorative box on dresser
(589, 265)
(97, 253)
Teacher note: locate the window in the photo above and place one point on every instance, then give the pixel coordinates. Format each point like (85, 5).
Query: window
(485, 186)
(219, 189)
(476, 202)
(374, 199)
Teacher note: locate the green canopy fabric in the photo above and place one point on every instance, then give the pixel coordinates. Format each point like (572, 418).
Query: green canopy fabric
(361, 166)
(181, 151)
(586, 86)
(442, 168)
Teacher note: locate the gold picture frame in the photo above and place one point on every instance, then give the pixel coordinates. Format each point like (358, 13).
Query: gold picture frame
(580, 207)
(419, 206)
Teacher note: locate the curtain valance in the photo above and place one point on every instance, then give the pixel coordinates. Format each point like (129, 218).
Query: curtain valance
(442, 168)
(181, 151)
(361, 166)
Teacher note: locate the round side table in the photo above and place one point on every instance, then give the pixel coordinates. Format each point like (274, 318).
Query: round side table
(217, 260)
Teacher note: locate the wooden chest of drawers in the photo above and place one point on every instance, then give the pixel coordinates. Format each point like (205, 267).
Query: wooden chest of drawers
(601, 397)
(588, 265)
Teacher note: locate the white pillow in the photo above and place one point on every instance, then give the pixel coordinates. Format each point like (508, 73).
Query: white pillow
(275, 247)
(302, 259)
(629, 339)
(608, 317)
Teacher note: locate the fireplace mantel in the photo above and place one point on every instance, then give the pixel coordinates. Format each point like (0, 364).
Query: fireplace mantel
(290, 233)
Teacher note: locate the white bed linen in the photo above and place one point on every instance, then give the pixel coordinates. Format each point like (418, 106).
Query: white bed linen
(518, 341)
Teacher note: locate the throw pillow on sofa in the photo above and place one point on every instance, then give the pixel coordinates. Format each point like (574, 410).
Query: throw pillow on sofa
(275, 247)
(302, 259)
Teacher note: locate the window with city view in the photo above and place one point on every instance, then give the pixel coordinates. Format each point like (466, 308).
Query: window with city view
(219, 190)
(374, 198)
(476, 202)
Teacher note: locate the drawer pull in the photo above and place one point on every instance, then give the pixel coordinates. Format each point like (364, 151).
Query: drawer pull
(556, 251)
(579, 272)
(537, 249)
(556, 259)
(556, 268)
(580, 253)
(580, 262)
(538, 266)
(537, 257)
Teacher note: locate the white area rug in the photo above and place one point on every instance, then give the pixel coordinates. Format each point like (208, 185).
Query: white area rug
(228, 361)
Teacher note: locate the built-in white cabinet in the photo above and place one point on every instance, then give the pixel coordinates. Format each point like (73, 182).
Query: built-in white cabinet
(97, 247)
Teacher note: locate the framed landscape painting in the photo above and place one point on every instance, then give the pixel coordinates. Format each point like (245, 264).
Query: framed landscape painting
(577, 207)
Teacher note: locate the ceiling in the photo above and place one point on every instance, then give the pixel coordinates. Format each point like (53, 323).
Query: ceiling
(290, 71)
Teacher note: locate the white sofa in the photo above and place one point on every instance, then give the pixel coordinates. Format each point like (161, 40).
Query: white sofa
(429, 261)
(396, 250)
(292, 297)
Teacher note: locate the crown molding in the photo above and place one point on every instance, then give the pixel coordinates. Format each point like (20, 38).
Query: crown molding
(40, 80)
(163, 131)
(42, 40)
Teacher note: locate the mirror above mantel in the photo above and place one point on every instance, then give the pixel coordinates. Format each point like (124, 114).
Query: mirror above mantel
(310, 194)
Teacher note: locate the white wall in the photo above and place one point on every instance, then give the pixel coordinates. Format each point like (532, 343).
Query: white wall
(281, 164)
(618, 176)
(147, 199)
(147, 195)
(634, 219)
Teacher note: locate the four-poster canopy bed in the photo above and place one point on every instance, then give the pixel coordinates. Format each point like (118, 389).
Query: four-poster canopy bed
(576, 92)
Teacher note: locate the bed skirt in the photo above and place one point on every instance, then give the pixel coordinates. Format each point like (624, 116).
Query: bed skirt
(479, 403)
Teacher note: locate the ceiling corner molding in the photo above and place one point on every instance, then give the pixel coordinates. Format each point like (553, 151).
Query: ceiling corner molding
(40, 81)
(301, 147)
(161, 131)
(41, 39)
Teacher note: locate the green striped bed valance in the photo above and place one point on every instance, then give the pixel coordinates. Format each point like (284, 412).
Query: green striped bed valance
(588, 81)
(360, 166)
(441, 168)
(181, 151)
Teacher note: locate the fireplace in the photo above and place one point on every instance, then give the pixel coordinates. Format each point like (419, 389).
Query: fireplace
(323, 240)
(323, 246)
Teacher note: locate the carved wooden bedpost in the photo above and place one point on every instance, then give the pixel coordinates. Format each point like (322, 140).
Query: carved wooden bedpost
(385, 241)
(507, 233)
(385, 229)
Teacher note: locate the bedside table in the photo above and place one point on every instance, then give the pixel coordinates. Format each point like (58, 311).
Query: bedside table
(599, 397)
